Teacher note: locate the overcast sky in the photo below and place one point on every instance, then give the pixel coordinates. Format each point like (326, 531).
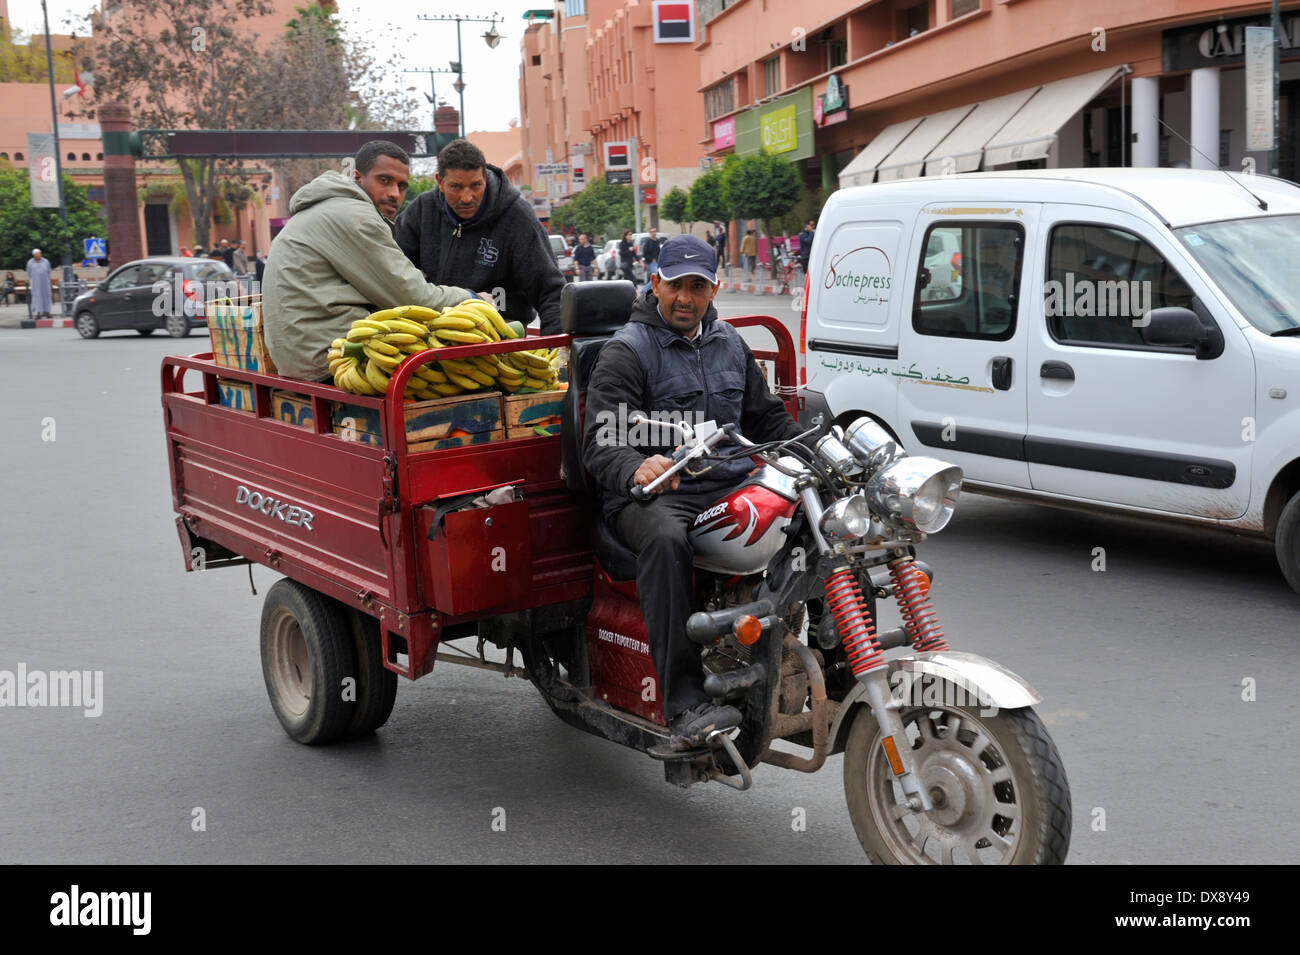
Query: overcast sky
(491, 76)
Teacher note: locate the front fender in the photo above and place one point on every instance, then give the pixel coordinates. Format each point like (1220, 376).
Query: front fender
(986, 683)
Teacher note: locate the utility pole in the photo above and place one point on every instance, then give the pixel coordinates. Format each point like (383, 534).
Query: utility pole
(1276, 24)
(636, 185)
(58, 152)
(490, 37)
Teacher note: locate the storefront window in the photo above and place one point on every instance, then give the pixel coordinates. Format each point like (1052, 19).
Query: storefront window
(771, 76)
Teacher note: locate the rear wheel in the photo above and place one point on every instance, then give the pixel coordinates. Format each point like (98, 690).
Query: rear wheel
(87, 325)
(307, 650)
(376, 687)
(997, 783)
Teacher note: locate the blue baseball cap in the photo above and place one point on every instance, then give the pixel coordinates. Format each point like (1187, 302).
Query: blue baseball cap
(688, 255)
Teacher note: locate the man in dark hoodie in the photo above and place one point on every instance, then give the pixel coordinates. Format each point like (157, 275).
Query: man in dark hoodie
(674, 359)
(476, 228)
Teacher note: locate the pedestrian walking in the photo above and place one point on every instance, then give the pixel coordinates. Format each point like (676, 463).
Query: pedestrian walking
(627, 255)
(749, 253)
(584, 256)
(806, 243)
(38, 283)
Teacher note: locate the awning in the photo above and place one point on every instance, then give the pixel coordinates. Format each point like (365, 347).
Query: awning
(862, 170)
(1029, 134)
(908, 159)
(962, 150)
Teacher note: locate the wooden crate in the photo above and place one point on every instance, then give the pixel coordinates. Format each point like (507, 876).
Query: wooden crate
(236, 395)
(542, 408)
(478, 413)
(535, 431)
(236, 334)
(457, 441)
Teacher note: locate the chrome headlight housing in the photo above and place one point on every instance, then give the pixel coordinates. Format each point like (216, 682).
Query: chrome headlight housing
(832, 452)
(847, 519)
(871, 444)
(916, 493)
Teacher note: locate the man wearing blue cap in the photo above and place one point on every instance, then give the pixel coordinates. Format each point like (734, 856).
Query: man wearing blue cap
(674, 360)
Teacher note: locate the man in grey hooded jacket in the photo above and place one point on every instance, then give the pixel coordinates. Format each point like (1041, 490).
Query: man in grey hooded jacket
(336, 261)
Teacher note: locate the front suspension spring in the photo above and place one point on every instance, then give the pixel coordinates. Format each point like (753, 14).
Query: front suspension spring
(919, 618)
(853, 622)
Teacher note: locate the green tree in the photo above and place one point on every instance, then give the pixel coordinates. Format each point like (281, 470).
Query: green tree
(24, 227)
(600, 209)
(418, 185)
(22, 59)
(761, 186)
(676, 207)
(709, 200)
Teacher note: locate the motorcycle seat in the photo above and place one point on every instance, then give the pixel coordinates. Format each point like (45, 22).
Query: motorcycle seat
(618, 560)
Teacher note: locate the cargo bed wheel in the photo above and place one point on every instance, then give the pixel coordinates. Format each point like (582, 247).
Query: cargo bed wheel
(1286, 542)
(376, 684)
(307, 650)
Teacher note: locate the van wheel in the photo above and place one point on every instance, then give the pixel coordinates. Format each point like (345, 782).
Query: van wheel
(307, 650)
(1286, 542)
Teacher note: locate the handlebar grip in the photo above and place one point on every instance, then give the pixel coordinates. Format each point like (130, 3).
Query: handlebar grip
(638, 493)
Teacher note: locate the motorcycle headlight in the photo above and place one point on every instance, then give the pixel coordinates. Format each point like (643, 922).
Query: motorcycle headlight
(916, 493)
(871, 444)
(833, 452)
(847, 519)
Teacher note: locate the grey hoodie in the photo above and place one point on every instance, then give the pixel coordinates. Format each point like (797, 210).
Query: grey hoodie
(335, 261)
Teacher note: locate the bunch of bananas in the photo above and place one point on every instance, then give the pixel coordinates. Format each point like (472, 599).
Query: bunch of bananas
(362, 362)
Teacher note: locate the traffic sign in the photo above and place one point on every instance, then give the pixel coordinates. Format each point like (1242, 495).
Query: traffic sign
(618, 177)
(95, 248)
(551, 169)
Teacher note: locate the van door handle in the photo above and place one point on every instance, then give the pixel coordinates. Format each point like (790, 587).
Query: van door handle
(1057, 369)
(1002, 373)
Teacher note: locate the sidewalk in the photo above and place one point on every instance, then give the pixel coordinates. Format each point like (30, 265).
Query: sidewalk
(733, 279)
(13, 316)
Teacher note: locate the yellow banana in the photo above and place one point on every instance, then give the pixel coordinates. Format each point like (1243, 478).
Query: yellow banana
(381, 346)
(404, 338)
(405, 325)
(355, 382)
(460, 366)
(537, 383)
(448, 320)
(431, 375)
(474, 337)
(464, 381)
(376, 377)
(447, 388)
(418, 313)
(359, 333)
(487, 365)
(386, 363)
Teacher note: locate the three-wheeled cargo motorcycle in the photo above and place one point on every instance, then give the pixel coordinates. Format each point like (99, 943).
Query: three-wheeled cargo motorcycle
(393, 557)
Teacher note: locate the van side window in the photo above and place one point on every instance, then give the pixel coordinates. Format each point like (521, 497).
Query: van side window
(1100, 280)
(968, 279)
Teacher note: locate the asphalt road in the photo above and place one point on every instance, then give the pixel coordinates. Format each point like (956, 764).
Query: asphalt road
(1141, 667)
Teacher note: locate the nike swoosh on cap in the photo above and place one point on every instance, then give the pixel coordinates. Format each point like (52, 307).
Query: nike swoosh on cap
(685, 256)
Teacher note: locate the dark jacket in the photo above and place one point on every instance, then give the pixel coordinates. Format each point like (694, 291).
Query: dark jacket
(503, 246)
(650, 250)
(584, 254)
(805, 246)
(626, 251)
(649, 367)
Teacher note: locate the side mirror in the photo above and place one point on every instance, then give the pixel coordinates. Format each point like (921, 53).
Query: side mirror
(1183, 328)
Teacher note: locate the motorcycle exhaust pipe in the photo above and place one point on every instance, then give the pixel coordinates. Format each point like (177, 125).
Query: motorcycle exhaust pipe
(703, 627)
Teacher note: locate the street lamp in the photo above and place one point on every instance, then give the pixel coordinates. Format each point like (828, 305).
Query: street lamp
(432, 95)
(491, 38)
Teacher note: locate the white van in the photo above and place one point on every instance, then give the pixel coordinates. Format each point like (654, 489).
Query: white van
(1122, 339)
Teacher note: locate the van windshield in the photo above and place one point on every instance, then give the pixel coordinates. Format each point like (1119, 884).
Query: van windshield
(1256, 262)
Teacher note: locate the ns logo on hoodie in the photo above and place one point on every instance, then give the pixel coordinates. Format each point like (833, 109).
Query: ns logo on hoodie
(487, 252)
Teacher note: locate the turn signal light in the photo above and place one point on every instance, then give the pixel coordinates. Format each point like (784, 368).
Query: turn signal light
(747, 629)
(923, 580)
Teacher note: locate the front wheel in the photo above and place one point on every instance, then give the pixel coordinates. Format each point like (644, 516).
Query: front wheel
(1286, 542)
(996, 781)
(87, 325)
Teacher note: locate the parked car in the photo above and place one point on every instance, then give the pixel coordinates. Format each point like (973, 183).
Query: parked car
(563, 257)
(607, 260)
(149, 294)
(1125, 340)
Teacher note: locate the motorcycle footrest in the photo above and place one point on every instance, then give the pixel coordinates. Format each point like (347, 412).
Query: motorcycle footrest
(721, 686)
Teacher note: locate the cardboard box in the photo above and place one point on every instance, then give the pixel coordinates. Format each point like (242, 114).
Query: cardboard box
(237, 338)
